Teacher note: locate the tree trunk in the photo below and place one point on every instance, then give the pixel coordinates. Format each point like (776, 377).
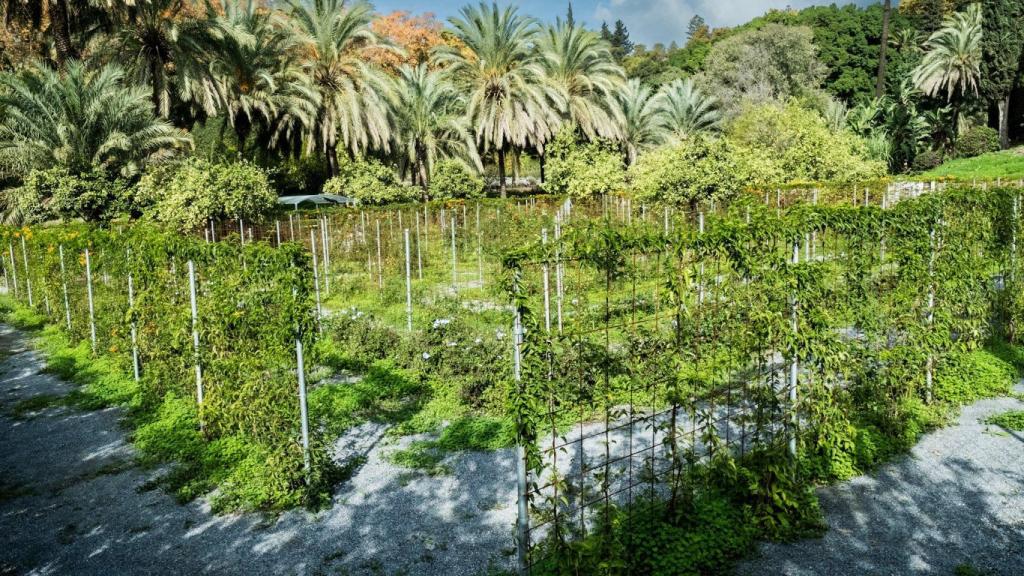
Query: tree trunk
(501, 172)
(882, 51)
(543, 163)
(332, 159)
(156, 77)
(60, 22)
(1004, 121)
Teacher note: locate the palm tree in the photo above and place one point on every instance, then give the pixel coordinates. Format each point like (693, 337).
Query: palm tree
(687, 110)
(162, 43)
(353, 104)
(581, 66)
(79, 119)
(255, 74)
(431, 123)
(952, 61)
(642, 121)
(501, 75)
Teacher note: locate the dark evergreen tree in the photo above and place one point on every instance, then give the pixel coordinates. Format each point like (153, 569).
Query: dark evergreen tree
(696, 27)
(621, 45)
(1002, 44)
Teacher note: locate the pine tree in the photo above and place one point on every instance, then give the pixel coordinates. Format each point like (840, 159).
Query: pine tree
(621, 45)
(697, 27)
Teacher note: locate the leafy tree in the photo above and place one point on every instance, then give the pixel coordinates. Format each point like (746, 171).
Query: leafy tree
(453, 180)
(186, 196)
(775, 62)
(643, 124)
(79, 119)
(798, 144)
(688, 173)
(416, 37)
(1002, 43)
(686, 110)
(952, 62)
(508, 103)
(350, 105)
(430, 123)
(581, 67)
(583, 169)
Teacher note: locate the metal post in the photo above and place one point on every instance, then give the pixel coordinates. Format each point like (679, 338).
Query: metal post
(479, 247)
(455, 262)
(64, 285)
(419, 249)
(325, 250)
(930, 363)
(241, 232)
(134, 330)
(28, 276)
(92, 312)
(380, 261)
(303, 410)
(277, 230)
(195, 332)
(793, 363)
(547, 296)
(522, 519)
(14, 268)
(316, 280)
(408, 282)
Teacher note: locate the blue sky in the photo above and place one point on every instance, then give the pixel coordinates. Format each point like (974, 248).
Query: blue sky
(649, 21)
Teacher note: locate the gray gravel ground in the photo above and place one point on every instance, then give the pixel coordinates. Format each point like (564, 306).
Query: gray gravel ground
(72, 501)
(956, 500)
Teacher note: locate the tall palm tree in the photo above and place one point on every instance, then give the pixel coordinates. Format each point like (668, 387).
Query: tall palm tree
(952, 61)
(161, 43)
(501, 75)
(353, 105)
(431, 123)
(581, 66)
(643, 125)
(686, 110)
(255, 74)
(78, 119)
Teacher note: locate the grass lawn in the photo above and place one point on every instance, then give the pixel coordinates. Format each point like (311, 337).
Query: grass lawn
(1005, 164)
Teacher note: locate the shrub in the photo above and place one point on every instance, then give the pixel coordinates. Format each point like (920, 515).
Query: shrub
(690, 171)
(186, 196)
(53, 193)
(368, 182)
(795, 144)
(977, 141)
(583, 169)
(452, 179)
(299, 176)
(927, 160)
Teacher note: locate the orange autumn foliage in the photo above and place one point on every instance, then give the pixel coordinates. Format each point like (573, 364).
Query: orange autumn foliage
(415, 36)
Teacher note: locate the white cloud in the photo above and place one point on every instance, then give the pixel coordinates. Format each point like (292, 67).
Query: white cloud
(651, 21)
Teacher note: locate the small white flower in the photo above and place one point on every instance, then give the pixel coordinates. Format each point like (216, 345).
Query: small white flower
(426, 355)
(478, 341)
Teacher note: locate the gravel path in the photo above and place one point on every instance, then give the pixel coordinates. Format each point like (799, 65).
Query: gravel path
(73, 501)
(956, 500)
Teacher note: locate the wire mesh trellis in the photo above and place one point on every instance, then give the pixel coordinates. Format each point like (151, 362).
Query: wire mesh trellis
(727, 334)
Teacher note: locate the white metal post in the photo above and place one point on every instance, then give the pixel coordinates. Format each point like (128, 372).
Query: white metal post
(419, 250)
(522, 518)
(192, 294)
(408, 282)
(134, 330)
(455, 272)
(793, 363)
(277, 230)
(92, 311)
(28, 276)
(303, 409)
(64, 286)
(547, 296)
(380, 261)
(14, 268)
(316, 280)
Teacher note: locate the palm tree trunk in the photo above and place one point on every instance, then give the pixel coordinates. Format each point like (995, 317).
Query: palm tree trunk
(882, 55)
(332, 158)
(543, 163)
(1004, 121)
(501, 172)
(60, 21)
(155, 76)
